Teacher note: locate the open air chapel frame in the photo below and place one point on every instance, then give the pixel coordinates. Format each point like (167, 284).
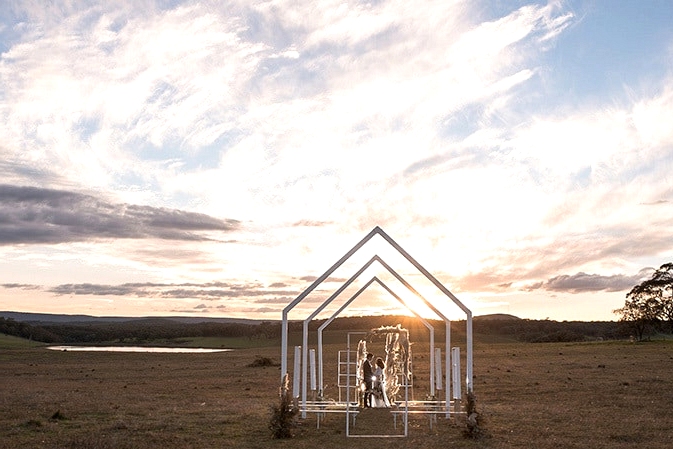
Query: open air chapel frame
(304, 349)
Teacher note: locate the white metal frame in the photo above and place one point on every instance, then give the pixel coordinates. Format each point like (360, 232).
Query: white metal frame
(343, 380)
(419, 267)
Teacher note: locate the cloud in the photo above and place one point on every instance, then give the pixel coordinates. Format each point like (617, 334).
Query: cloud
(188, 311)
(276, 300)
(310, 223)
(191, 86)
(454, 126)
(32, 215)
(89, 94)
(14, 171)
(371, 104)
(583, 282)
(210, 291)
(21, 286)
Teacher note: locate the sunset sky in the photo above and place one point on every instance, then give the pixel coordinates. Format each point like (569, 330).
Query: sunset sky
(213, 158)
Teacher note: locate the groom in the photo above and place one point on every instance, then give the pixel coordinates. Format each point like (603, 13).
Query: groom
(368, 373)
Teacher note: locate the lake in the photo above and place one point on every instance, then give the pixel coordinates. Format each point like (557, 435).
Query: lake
(135, 349)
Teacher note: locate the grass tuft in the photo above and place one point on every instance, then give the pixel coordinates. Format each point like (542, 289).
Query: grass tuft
(33, 423)
(262, 362)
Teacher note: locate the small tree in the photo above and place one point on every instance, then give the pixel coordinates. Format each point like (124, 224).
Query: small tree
(661, 285)
(638, 313)
(650, 302)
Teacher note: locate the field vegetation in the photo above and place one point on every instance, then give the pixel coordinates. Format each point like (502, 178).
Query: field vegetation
(588, 394)
(13, 342)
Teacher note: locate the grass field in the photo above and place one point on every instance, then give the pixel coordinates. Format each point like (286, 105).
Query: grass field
(11, 342)
(589, 395)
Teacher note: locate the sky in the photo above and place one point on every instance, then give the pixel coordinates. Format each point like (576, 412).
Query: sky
(214, 158)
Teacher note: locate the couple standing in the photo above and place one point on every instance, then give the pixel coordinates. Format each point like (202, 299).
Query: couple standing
(375, 392)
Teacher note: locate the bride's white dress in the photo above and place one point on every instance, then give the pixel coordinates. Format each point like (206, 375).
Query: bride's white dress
(381, 401)
(379, 397)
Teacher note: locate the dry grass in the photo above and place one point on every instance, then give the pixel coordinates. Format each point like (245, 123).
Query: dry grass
(599, 395)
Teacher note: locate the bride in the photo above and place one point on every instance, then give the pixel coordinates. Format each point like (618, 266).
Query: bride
(379, 397)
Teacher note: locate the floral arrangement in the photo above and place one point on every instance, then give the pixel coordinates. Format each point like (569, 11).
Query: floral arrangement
(397, 358)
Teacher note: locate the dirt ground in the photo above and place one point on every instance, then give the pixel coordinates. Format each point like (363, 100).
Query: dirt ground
(589, 395)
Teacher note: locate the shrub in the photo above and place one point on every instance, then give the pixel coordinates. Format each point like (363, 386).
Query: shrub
(283, 416)
(474, 420)
(57, 416)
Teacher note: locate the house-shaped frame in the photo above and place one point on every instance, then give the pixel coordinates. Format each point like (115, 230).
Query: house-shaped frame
(376, 231)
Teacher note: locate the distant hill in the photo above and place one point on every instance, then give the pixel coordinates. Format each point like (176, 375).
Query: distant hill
(497, 317)
(86, 329)
(49, 318)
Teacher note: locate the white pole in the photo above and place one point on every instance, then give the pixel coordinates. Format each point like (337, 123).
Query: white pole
(438, 368)
(320, 373)
(348, 383)
(304, 374)
(312, 361)
(457, 393)
(447, 368)
(469, 363)
(432, 363)
(406, 406)
(295, 374)
(283, 347)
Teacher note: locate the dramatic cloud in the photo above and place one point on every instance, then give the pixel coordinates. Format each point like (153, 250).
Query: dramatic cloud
(583, 282)
(35, 215)
(209, 291)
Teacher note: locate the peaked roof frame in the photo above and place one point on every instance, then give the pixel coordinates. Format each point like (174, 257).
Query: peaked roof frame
(344, 258)
(322, 327)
